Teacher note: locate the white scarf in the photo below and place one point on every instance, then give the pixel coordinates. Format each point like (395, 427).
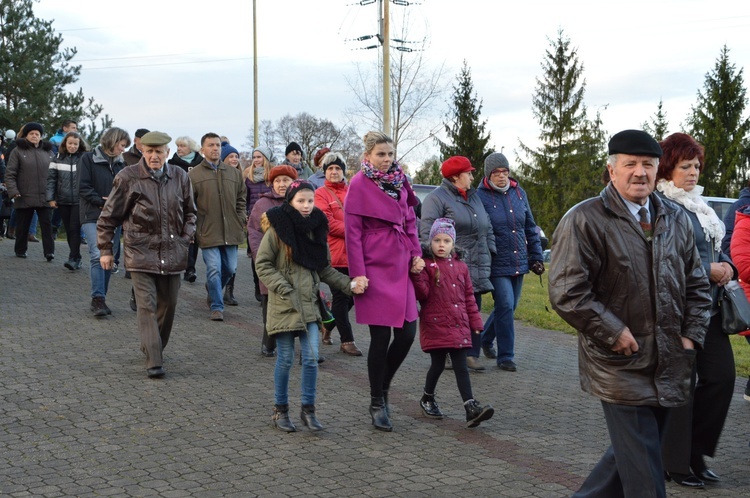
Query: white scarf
(712, 226)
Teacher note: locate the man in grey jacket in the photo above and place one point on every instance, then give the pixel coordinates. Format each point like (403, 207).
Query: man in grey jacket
(626, 274)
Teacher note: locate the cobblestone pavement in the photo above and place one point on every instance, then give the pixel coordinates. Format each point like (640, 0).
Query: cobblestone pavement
(78, 417)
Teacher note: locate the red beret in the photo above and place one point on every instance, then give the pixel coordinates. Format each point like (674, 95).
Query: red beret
(280, 170)
(319, 155)
(454, 166)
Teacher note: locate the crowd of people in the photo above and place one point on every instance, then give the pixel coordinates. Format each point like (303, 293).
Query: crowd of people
(638, 271)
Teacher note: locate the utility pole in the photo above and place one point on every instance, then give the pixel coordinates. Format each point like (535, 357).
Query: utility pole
(255, 80)
(385, 38)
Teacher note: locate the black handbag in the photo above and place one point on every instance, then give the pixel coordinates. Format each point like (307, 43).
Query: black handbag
(735, 309)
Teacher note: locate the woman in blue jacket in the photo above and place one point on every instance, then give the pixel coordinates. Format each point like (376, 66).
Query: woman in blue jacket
(518, 250)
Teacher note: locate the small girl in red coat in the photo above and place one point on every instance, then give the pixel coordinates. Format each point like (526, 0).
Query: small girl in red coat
(447, 317)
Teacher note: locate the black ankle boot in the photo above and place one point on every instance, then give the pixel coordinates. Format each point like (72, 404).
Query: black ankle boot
(308, 418)
(281, 418)
(430, 407)
(229, 298)
(476, 414)
(379, 415)
(385, 402)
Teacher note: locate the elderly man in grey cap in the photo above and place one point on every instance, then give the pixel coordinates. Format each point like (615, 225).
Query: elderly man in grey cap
(626, 274)
(154, 202)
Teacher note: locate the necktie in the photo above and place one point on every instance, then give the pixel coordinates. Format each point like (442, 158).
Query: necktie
(645, 225)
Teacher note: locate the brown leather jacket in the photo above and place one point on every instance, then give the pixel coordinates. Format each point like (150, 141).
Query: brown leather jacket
(158, 218)
(605, 276)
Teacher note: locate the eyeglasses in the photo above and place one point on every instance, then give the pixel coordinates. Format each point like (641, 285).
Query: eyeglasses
(500, 172)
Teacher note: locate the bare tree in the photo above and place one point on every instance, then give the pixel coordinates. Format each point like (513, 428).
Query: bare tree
(415, 89)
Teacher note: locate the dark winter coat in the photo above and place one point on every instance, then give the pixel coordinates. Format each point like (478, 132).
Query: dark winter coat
(254, 225)
(158, 219)
(132, 156)
(729, 219)
(449, 313)
(254, 191)
(186, 166)
(474, 232)
(26, 174)
(605, 276)
(96, 172)
(516, 239)
(62, 179)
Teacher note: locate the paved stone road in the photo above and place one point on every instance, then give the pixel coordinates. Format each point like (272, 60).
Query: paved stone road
(78, 417)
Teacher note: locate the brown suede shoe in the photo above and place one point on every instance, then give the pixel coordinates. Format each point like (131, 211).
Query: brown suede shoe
(350, 348)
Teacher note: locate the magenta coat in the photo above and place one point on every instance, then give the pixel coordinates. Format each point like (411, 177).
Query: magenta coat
(448, 313)
(381, 240)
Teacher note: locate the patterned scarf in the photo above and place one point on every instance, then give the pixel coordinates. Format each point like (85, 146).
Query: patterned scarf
(390, 181)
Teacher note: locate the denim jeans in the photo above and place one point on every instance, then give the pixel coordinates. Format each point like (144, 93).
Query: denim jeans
(99, 276)
(500, 324)
(308, 343)
(221, 263)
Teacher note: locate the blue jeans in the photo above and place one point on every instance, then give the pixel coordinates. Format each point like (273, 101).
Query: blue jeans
(99, 276)
(500, 324)
(221, 263)
(308, 343)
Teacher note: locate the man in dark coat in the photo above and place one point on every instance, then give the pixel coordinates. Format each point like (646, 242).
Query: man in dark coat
(626, 274)
(154, 202)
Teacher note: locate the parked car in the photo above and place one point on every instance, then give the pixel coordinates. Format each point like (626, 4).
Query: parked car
(720, 204)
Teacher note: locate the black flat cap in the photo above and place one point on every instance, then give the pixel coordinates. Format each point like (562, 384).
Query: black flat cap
(634, 143)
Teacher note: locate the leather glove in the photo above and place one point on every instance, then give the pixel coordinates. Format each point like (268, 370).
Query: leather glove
(537, 267)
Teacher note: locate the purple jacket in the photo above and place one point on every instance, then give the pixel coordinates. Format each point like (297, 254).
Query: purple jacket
(254, 191)
(381, 240)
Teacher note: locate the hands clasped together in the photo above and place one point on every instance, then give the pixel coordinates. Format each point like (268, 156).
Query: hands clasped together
(359, 284)
(721, 273)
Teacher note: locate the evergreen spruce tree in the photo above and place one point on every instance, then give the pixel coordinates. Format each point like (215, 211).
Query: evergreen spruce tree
(567, 167)
(429, 173)
(717, 122)
(35, 71)
(658, 127)
(465, 133)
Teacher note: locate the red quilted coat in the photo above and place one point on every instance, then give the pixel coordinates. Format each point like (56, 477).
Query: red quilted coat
(448, 313)
(740, 248)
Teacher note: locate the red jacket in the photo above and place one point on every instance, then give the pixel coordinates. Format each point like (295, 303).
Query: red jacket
(330, 199)
(740, 248)
(448, 312)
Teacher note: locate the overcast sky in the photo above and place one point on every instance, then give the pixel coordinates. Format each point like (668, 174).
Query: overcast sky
(185, 67)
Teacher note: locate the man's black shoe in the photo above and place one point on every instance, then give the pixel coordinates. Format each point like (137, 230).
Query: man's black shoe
(20, 254)
(156, 372)
(190, 276)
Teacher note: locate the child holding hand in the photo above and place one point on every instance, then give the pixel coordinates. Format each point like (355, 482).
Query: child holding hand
(447, 317)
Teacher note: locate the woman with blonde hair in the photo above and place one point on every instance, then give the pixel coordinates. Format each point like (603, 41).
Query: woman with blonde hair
(257, 181)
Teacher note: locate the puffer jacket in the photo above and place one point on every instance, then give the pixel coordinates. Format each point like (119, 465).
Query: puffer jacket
(741, 247)
(293, 290)
(158, 217)
(729, 219)
(330, 199)
(26, 174)
(474, 234)
(96, 172)
(62, 179)
(220, 198)
(605, 276)
(448, 313)
(517, 241)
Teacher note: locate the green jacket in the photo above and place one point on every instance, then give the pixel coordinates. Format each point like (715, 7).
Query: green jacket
(293, 291)
(220, 199)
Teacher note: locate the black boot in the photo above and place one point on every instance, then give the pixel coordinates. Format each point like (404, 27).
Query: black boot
(281, 418)
(379, 415)
(308, 418)
(385, 402)
(229, 293)
(476, 414)
(430, 407)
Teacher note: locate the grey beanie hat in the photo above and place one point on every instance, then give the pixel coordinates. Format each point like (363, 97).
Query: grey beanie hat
(494, 161)
(268, 153)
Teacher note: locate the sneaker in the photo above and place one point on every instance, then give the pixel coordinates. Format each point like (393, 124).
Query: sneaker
(476, 414)
(190, 276)
(99, 307)
(217, 316)
(49, 257)
(507, 365)
(489, 352)
(70, 264)
(430, 407)
(115, 268)
(473, 363)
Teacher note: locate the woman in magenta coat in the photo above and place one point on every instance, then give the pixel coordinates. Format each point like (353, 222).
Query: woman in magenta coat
(382, 245)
